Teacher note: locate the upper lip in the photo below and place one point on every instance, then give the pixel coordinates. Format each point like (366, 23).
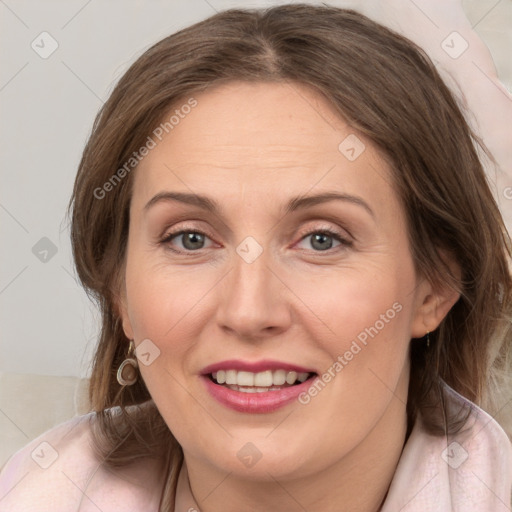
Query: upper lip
(254, 366)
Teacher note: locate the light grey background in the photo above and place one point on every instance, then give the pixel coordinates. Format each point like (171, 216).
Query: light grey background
(48, 325)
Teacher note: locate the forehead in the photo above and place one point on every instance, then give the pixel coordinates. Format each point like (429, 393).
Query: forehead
(260, 115)
(259, 136)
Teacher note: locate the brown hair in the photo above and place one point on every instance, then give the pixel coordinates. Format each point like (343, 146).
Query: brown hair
(386, 88)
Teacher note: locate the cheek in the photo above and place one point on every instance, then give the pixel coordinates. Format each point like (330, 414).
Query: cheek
(360, 303)
(367, 365)
(162, 300)
(161, 304)
(365, 318)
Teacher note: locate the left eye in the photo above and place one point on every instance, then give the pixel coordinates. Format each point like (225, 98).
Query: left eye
(193, 240)
(322, 239)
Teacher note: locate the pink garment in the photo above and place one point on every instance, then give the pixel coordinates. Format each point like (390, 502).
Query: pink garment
(465, 472)
(468, 472)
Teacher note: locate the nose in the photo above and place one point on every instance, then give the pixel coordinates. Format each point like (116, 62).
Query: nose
(253, 300)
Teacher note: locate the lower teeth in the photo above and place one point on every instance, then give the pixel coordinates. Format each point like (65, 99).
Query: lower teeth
(247, 389)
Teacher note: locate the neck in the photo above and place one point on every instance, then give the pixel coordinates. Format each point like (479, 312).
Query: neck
(359, 481)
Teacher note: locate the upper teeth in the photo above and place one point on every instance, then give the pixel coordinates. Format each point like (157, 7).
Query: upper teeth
(265, 379)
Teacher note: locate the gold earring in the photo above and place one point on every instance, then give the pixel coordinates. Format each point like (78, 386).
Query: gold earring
(127, 372)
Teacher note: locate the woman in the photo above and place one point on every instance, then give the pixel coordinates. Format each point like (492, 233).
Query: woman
(303, 279)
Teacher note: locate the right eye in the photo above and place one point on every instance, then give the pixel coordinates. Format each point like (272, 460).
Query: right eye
(190, 240)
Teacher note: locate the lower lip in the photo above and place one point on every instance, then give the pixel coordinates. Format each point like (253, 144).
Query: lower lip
(267, 401)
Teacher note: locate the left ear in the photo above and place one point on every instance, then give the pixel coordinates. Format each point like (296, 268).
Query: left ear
(434, 301)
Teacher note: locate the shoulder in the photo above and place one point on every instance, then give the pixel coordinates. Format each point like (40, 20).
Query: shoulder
(60, 471)
(470, 470)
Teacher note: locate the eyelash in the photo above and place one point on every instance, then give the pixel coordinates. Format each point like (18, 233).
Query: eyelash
(344, 243)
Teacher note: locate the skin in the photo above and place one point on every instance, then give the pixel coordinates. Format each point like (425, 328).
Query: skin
(251, 147)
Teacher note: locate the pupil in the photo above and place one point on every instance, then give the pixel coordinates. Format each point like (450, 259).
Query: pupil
(320, 237)
(193, 238)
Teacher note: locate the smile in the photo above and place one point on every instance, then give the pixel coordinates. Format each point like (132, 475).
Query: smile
(266, 389)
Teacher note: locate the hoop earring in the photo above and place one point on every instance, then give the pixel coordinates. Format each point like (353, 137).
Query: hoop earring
(129, 367)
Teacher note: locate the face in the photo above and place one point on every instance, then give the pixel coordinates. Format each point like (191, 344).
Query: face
(326, 288)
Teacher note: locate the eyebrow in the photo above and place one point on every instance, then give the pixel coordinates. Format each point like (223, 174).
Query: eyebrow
(294, 204)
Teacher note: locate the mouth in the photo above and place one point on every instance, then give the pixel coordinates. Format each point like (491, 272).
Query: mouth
(263, 391)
